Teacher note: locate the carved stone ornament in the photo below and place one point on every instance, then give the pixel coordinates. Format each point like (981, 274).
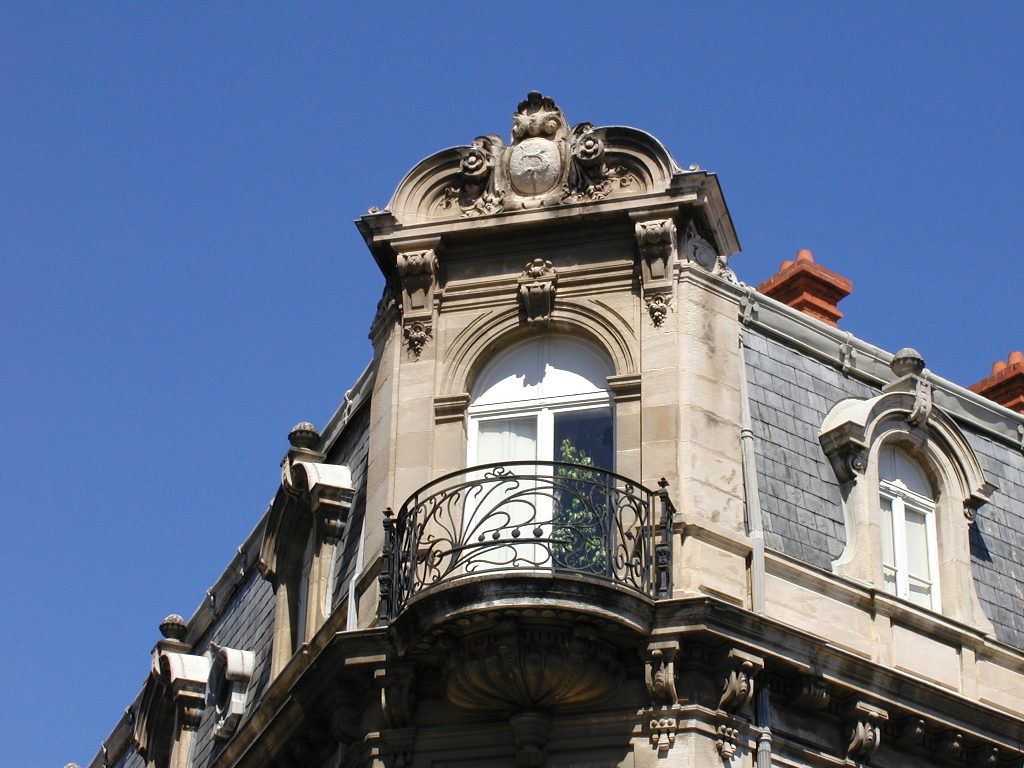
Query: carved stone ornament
(663, 724)
(185, 676)
(726, 742)
(656, 241)
(658, 306)
(513, 668)
(545, 164)
(475, 192)
(739, 682)
(417, 334)
(698, 250)
(230, 672)
(531, 731)
(866, 735)
(536, 293)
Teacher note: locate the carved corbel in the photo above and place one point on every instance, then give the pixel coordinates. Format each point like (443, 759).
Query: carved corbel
(416, 270)
(866, 733)
(397, 685)
(656, 241)
(911, 733)
(812, 693)
(536, 293)
(659, 668)
(739, 681)
(395, 747)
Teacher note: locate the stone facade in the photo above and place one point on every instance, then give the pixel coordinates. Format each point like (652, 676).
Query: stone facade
(717, 595)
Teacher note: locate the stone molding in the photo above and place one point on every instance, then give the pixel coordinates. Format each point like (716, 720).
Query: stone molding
(230, 672)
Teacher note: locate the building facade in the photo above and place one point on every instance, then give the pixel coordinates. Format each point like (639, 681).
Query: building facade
(595, 502)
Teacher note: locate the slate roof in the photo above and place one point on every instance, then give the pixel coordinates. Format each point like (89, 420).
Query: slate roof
(790, 394)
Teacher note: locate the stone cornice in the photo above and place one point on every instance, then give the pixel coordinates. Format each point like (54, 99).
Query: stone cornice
(848, 674)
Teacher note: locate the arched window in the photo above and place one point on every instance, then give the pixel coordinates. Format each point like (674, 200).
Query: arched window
(909, 546)
(545, 399)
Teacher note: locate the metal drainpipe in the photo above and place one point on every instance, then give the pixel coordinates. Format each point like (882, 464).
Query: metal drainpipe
(755, 526)
(753, 501)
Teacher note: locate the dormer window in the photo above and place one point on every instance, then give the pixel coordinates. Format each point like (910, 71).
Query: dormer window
(909, 543)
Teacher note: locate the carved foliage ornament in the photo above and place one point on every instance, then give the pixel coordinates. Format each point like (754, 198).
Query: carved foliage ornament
(416, 334)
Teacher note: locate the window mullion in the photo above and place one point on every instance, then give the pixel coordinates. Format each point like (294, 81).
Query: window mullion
(899, 545)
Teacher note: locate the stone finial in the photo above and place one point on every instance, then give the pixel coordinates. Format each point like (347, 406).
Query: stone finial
(907, 361)
(1005, 385)
(809, 287)
(72, 765)
(174, 627)
(304, 435)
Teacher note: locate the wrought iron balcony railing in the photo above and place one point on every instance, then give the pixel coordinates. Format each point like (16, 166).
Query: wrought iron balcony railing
(527, 517)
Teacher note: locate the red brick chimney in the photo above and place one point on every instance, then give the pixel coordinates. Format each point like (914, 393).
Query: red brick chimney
(1006, 384)
(809, 287)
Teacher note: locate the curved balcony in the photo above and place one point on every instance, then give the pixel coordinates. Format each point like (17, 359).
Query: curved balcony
(521, 534)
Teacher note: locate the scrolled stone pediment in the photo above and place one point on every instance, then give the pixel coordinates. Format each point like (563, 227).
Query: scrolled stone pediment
(546, 163)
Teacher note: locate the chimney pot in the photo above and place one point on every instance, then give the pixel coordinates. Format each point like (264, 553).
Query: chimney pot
(1005, 385)
(1016, 358)
(997, 366)
(809, 287)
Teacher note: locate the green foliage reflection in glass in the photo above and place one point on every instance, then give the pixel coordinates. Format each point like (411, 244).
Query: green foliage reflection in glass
(578, 525)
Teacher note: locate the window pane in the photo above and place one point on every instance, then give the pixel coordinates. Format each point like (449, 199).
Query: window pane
(917, 546)
(584, 437)
(507, 440)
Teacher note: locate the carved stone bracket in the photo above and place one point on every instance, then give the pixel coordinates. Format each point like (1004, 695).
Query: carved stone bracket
(397, 694)
(536, 293)
(658, 306)
(866, 733)
(812, 693)
(739, 681)
(656, 241)
(395, 747)
(659, 668)
(417, 271)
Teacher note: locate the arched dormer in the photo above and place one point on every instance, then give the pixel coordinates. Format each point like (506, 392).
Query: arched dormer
(860, 437)
(307, 520)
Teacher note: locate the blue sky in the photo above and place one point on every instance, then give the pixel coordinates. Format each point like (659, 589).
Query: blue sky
(182, 280)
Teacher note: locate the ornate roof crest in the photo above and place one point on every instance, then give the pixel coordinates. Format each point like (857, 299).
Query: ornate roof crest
(547, 163)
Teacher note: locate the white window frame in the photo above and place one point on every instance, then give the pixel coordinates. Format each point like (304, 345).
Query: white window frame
(900, 498)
